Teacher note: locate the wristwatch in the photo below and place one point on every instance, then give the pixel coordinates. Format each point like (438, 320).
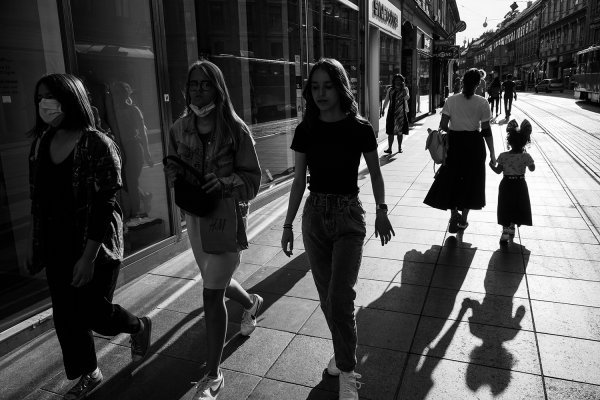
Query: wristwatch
(382, 206)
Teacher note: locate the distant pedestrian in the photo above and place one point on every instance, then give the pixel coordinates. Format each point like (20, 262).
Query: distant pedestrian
(457, 85)
(77, 228)
(460, 183)
(396, 123)
(211, 137)
(514, 207)
(333, 222)
(508, 87)
(495, 91)
(482, 87)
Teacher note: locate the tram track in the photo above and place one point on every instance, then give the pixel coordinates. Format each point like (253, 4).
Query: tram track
(593, 121)
(594, 174)
(580, 146)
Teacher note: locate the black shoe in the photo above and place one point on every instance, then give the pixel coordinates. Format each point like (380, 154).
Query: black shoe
(86, 384)
(399, 150)
(388, 151)
(140, 342)
(453, 224)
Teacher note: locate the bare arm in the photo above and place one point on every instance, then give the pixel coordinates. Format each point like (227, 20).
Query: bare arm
(444, 122)
(383, 227)
(296, 193)
(496, 168)
(486, 131)
(385, 102)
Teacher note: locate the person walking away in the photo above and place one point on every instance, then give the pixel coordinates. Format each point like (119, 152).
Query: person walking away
(460, 183)
(508, 87)
(482, 87)
(514, 207)
(77, 228)
(495, 92)
(211, 137)
(396, 123)
(333, 222)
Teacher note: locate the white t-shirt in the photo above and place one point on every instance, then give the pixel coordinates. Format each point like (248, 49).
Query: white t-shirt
(466, 114)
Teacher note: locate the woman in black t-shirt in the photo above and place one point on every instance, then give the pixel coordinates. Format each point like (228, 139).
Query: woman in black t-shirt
(330, 141)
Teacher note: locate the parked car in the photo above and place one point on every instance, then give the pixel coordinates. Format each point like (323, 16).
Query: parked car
(548, 85)
(519, 85)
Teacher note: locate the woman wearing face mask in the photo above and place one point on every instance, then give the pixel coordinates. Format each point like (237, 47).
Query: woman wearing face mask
(75, 174)
(212, 138)
(396, 123)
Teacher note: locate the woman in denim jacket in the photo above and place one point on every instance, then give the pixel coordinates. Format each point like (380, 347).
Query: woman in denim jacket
(77, 228)
(330, 142)
(212, 138)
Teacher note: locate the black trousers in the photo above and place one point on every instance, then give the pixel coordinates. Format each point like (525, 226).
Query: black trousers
(508, 99)
(79, 311)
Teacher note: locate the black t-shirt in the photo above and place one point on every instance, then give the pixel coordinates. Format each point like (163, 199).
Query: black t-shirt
(333, 151)
(509, 87)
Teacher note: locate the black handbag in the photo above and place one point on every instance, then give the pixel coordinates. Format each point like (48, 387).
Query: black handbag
(190, 197)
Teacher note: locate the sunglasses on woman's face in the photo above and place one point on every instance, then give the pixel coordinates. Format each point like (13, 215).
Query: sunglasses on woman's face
(204, 85)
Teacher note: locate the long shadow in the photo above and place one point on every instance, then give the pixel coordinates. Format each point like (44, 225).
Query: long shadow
(177, 357)
(387, 326)
(588, 106)
(493, 322)
(428, 347)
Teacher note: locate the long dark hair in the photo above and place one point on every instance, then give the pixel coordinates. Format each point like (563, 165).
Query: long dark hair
(340, 82)
(72, 95)
(471, 80)
(229, 125)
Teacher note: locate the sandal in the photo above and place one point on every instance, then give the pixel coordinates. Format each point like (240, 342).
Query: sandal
(453, 223)
(462, 225)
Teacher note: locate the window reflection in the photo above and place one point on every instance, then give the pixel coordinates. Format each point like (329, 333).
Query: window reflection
(116, 59)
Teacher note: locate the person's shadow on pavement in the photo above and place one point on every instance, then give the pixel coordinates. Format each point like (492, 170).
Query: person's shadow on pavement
(428, 349)
(177, 356)
(493, 322)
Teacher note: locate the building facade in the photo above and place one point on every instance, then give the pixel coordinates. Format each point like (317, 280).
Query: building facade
(540, 41)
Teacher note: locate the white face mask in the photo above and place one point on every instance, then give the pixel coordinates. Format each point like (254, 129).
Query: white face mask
(204, 111)
(50, 111)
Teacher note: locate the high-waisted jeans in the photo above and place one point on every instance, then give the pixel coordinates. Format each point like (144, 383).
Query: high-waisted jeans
(333, 229)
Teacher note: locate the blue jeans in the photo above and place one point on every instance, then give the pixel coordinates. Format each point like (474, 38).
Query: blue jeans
(333, 229)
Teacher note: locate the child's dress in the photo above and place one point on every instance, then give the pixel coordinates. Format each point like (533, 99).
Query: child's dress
(513, 195)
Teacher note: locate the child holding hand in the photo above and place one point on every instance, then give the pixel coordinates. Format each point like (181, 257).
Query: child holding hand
(514, 207)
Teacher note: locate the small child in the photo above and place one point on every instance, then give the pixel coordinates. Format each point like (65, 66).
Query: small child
(513, 195)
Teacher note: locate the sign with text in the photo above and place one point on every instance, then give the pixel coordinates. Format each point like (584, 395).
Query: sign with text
(386, 16)
(446, 52)
(442, 43)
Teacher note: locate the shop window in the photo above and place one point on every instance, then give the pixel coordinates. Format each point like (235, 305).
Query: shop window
(30, 45)
(117, 60)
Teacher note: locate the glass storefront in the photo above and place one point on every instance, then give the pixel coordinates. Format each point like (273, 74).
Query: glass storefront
(116, 58)
(30, 46)
(389, 62)
(424, 50)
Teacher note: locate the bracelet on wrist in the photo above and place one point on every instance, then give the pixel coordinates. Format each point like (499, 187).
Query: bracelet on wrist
(288, 226)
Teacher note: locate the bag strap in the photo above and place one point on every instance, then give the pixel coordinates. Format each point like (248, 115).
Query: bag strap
(187, 167)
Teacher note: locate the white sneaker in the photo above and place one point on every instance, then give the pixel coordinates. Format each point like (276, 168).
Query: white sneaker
(332, 368)
(349, 385)
(248, 323)
(209, 388)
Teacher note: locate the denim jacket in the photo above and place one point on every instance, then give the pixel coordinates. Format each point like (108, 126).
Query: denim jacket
(236, 167)
(96, 168)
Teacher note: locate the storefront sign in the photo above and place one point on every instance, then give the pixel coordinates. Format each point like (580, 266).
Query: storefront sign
(386, 16)
(447, 52)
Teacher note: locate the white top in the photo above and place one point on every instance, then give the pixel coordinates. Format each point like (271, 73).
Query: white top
(466, 114)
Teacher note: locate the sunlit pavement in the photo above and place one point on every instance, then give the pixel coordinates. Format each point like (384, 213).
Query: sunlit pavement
(439, 317)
